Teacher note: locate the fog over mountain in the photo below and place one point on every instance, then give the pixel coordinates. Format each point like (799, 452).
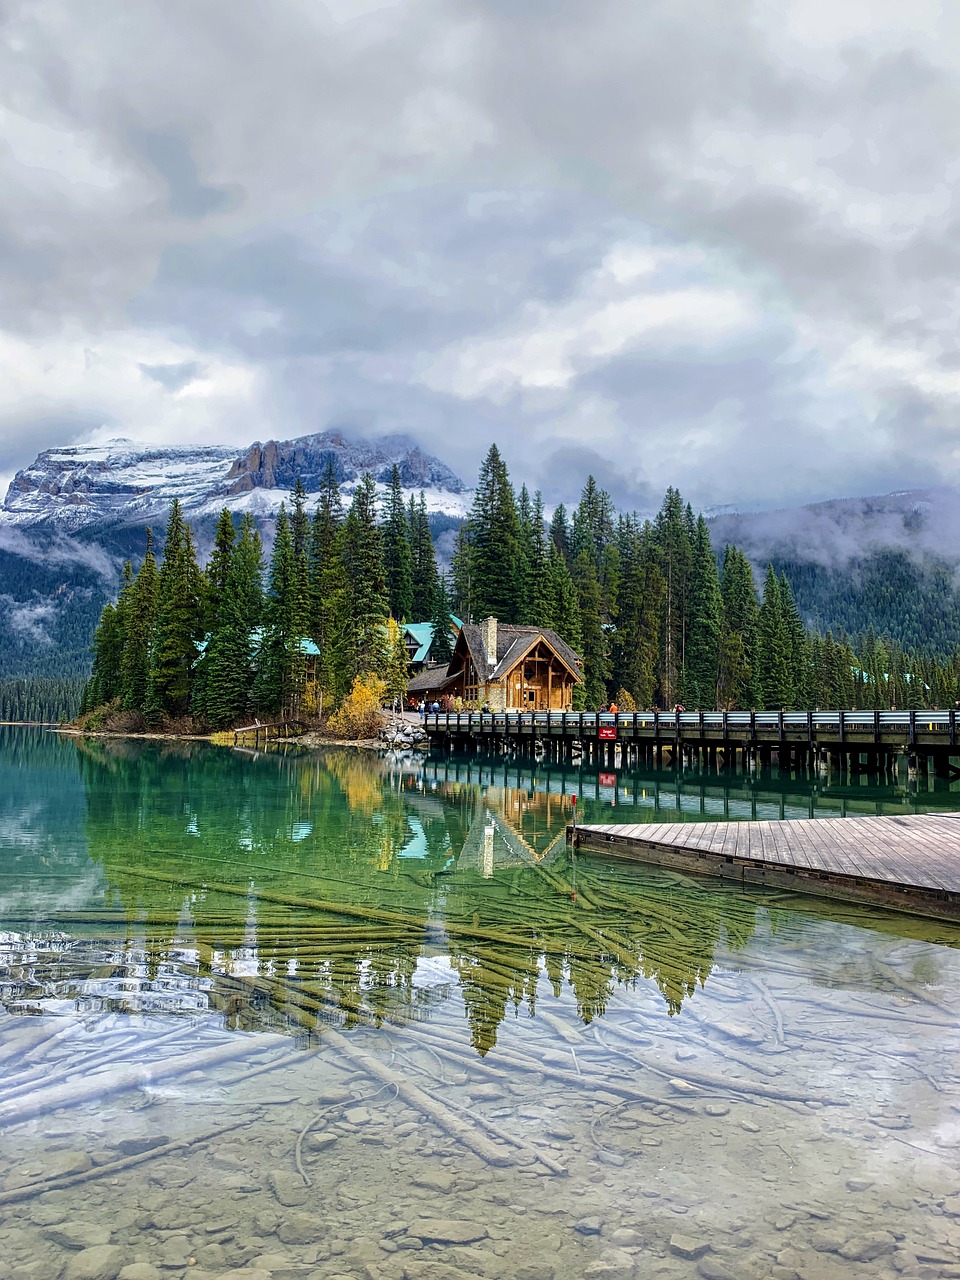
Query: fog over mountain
(920, 522)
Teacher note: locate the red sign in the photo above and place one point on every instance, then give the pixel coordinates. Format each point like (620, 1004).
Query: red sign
(607, 779)
(607, 733)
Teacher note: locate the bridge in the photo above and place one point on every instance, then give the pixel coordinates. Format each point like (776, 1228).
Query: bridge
(853, 741)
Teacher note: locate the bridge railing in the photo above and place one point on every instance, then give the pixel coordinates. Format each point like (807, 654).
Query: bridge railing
(729, 725)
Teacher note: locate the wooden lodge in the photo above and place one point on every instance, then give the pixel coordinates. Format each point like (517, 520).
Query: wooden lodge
(507, 668)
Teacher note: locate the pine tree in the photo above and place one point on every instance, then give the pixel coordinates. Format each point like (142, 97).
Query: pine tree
(299, 520)
(774, 648)
(672, 535)
(563, 600)
(138, 609)
(231, 649)
(397, 551)
(281, 675)
(441, 646)
(397, 664)
(739, 683)
(596, 664)
(367, 603)
(538, 593)
(495, 537)
(560, 531)
(706, 624)
(592, 525)
(178, 628)
(104, 683)
(799, 653)
(635, 650)
(328, 590)
(218, 566)
(424, 561)
(461, 570)
(214, 581)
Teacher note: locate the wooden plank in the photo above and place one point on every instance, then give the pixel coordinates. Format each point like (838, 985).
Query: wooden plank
(918, 854)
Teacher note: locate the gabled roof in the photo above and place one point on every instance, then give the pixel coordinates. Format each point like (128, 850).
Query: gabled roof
(512, 643)
(422, 633)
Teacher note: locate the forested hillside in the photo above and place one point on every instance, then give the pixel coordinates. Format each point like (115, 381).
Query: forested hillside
(49, 700)
(883, 566)
(657, 615)
(914, 602)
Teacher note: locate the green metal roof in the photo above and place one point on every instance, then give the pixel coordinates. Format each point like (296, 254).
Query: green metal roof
(307, 647)
(422, 633)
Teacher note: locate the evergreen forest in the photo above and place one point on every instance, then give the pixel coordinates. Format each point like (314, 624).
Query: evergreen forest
(660, 616)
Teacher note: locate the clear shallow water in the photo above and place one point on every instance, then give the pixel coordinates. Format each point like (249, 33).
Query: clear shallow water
(294, 1014)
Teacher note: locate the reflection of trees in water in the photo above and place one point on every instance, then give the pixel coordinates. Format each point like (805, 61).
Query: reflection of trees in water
(294, 880)
(283, 870)
(596, 926)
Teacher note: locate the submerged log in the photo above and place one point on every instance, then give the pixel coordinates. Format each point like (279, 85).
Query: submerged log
(95, 1088)
(415, 1097)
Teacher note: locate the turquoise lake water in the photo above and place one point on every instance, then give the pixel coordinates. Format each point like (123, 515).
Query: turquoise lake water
(324, 1014)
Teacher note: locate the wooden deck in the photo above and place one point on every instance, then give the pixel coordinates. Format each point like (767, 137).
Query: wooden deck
(909, 863)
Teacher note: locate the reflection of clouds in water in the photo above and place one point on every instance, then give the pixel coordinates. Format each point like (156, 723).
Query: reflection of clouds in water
(434, 972)
(22, 829)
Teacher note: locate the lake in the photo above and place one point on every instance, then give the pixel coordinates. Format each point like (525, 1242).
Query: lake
(322, 1014)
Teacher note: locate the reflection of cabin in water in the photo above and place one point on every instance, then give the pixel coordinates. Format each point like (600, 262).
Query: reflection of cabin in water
(509, 668)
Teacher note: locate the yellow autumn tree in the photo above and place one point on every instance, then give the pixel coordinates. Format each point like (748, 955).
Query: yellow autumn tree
(360, 716)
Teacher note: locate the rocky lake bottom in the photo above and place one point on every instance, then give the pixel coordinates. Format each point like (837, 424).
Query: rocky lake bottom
(278, 1019)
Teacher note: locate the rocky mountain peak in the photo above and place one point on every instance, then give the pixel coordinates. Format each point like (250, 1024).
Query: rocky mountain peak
(120, 482)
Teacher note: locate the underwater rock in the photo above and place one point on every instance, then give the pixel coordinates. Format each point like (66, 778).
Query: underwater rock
(300, 1228)
(447, 1231)
(627, 1238)
(713, 1269)
(687, 1247)
(78, 1235)
(289, 1188)
(139, 1271)
(102, 1262)
(867, 1247)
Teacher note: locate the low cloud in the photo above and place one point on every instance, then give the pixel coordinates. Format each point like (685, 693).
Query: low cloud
(59, 550)
(922, 523)
(30, 621)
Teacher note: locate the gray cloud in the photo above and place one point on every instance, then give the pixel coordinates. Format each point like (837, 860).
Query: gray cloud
(677, 243)
(172, 377)
(187, 196)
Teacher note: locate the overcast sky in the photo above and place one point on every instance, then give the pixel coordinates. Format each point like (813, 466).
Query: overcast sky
(710, 244)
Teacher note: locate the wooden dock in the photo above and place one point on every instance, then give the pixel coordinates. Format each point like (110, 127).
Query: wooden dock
(909, 863)
(860, 741)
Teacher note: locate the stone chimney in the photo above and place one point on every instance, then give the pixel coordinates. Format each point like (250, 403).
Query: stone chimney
(488, 634)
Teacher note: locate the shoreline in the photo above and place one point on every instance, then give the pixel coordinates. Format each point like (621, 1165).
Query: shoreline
(310, 740)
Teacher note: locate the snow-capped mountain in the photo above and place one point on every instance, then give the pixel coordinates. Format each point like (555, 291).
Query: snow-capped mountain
(119, 482)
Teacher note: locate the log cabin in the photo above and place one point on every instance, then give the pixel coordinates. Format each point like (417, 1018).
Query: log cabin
(509, 668)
